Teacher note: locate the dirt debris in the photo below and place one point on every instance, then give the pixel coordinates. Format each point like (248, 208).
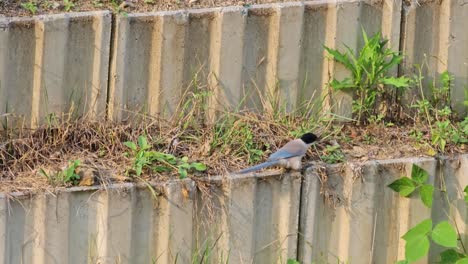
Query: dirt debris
(40, 7)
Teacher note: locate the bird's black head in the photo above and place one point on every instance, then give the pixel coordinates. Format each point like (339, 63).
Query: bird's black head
(309, 138)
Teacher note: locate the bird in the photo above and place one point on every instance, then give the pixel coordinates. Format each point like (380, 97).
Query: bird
(289, 156)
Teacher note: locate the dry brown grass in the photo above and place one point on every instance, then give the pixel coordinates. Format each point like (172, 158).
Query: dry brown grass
(238, 139)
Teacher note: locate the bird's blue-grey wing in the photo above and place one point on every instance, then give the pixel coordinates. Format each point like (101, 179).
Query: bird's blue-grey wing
(291, 149)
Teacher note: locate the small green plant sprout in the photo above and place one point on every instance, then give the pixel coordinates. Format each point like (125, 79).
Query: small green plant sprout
(31, 6)
(406, 186)
(67, 175)
(68, 5)
(418, 237)
(369, 74)
(466, 194)
(293, 261)
(97, 3)
(144, 158)
(333, 154)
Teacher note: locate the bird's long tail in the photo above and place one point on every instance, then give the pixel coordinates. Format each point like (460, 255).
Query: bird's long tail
(259, 166)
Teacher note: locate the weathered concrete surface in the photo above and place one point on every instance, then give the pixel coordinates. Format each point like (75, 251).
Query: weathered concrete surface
(349, 214)
(435, 38)
(250, 57)
(54, 64)
(255, 57)
(241, 218)
(250, 219)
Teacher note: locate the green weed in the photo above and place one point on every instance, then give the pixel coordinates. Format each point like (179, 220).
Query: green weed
(68, 5)
(236, 137)
(31, 6)
(158, 162)
(418, 237)
(333, 154)
(67, 175)
(369, 74)
(435, 111)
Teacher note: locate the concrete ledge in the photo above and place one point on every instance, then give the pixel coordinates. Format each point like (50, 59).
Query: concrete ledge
(343, 212)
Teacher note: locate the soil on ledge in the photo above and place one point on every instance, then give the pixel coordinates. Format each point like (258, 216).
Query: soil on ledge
(12, 8)
(100, 148)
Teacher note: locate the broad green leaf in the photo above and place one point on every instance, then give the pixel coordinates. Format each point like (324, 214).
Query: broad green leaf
(143, 142)
(339, 57)
(184, 166)
(426, 192)
(418, 231)
(397, 82)
(184, 159)
(138, 169)
(417, 248)
(130, 145)
(182, 173)
(160, 168)
(344, 84)
(418, 174)
(405, 186)
(462, 261)
(466, 194)
(293, 261)
(199, 166)
(450, 256)
(444, 234)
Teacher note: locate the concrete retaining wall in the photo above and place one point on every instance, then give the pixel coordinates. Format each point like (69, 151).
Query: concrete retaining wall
(266, 218)
(54, 64)
(244, 54)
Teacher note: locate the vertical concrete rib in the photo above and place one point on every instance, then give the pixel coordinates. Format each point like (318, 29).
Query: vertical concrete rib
(197, 48)
(171, 41)
(255, 61)
(226, 53)
(56, 228)
(3, 229)
(17, 69)
(288, 52)
(133, 70)
(97, 104)
(49, 82)
(289, 189)
(115, 101)
(172, 227)
(385, 239)
(308, 217)
(312, 55)
(172, 84)
(119, 222)
(342, 28)
(240, 219)
(141, 235)
(81, 233)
